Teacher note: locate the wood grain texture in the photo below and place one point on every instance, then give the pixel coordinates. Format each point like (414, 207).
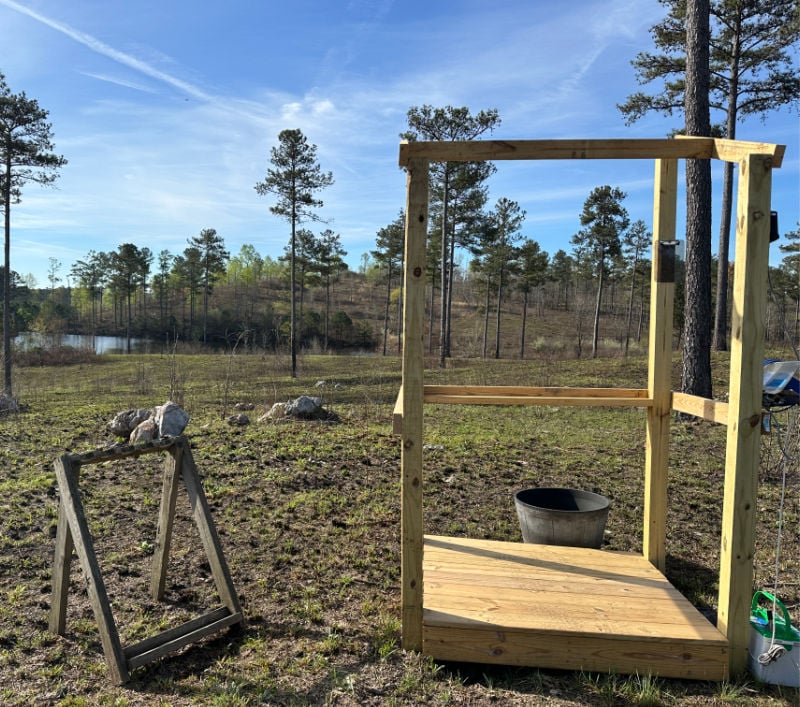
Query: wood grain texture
(520, 395)
(574, 608)
(412, 405)
(580, 149)
(744, 410)
(659, 368)
(711, 410)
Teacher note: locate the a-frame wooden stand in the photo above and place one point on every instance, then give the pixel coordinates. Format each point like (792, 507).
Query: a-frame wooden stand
(73, 533)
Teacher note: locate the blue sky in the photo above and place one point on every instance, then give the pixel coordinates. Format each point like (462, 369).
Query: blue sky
(167, 110)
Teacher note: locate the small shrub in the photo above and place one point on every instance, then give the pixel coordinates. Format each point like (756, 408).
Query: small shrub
(55, 356)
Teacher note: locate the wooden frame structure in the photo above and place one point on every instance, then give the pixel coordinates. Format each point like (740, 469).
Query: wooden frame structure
(577, 608)
(73, 533)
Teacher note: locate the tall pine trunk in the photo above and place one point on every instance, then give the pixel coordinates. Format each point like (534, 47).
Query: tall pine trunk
(720, 340)
(524, 322)
(696, 378)
(443, 274)
(293, 301)
(486, 316)
(7, 278)
(499, 311)
(596, 324)
(388, 298)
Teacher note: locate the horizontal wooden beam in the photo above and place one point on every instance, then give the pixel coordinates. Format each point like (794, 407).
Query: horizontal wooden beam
(705, 408)
(519, 395)
(120, 451)
(169, 641)
(735, 150)
(581, 149)
(614, 149)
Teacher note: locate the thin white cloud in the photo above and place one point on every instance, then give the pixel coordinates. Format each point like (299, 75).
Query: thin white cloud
(101, 47)
(118, 81)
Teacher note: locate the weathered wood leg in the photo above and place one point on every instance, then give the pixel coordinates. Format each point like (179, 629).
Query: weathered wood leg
(98, 597)
(166, 517)
(208, 533)
(61, 565)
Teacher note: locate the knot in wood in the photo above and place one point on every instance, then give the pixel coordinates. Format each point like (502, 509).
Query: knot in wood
(417, 271)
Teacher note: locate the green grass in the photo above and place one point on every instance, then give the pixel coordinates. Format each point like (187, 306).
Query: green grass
(308, 515)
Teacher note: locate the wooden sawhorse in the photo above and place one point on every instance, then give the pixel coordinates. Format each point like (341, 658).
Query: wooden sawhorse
(73, 533)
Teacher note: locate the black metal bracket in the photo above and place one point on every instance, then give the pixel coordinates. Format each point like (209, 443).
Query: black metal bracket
(666, 261)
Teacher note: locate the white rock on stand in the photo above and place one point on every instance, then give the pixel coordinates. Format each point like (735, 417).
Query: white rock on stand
(171, 419)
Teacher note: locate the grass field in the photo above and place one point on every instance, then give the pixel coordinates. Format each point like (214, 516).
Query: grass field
(308, 514)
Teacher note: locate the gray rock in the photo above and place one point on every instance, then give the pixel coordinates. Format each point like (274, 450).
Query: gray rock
(145, 432)
(240, 420)
(127, 421)
(305, 406)
(276, 411)
(171, 419)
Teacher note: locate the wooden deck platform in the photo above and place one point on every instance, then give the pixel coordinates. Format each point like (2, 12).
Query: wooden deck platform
(562, 607)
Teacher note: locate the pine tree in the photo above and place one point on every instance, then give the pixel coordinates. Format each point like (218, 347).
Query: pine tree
(213, 257)
(751, 73)
(26, 144)
(532, 265)
(328, 264)
(452, 183)
(294, 179)
(604, 219)
(389, 256)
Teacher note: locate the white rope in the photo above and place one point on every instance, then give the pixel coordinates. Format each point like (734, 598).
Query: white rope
(772, 653)
(776, 651)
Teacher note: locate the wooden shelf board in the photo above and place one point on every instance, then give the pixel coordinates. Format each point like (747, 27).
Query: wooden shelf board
(524, 395)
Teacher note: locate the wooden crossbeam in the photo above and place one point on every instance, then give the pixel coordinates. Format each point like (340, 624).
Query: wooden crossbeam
(479, 150)
(705, 408)
(516, 395)
(169, 641)
(72, 533)
(592, 149)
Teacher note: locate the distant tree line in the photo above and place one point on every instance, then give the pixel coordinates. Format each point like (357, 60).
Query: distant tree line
(201, 294)
(511, 298)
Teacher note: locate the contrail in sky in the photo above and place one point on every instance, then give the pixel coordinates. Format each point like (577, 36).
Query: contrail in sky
(102, 48)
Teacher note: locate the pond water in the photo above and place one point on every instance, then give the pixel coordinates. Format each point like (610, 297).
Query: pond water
(101, 344)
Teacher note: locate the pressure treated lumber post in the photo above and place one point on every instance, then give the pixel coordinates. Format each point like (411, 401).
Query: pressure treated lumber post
(662, 289)
(744, 410)
(411, 545)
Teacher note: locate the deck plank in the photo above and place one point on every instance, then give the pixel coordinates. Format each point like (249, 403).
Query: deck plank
(561, 607)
